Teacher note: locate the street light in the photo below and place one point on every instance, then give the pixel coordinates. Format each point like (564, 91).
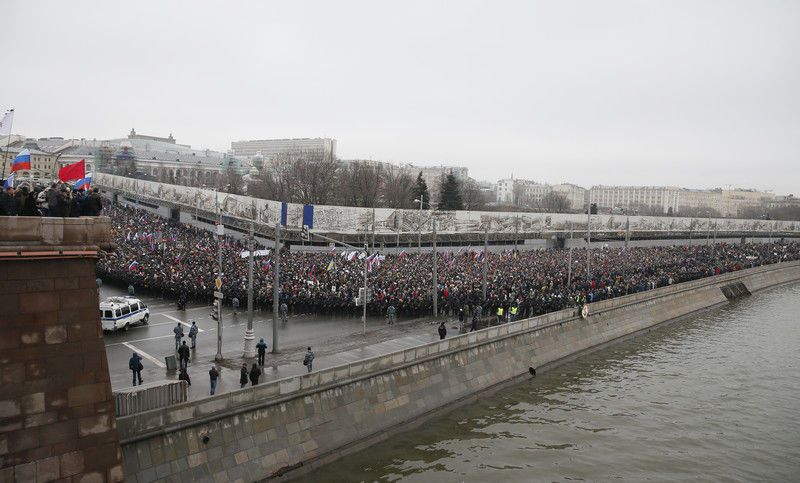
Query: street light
(420, 200)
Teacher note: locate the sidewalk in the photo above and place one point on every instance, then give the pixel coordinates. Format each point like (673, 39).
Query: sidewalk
(289, 362)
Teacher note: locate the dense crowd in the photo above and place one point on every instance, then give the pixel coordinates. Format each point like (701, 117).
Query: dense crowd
(177, 259)
(58, 199)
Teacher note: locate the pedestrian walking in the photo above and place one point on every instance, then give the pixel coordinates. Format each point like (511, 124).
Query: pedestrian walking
(499, 314)
(99, 282)
(308, 360)
(477, 313)
(462, 328)
(243, 375)
(183, 355)
(235, 303)
(131, 291)
(184, 376)
(261, 347)
(135, 365)
(193, 330)
(213, 375)
(255, 373)
(442, 331)
(391, 314)
(178, 330)
(284, 313)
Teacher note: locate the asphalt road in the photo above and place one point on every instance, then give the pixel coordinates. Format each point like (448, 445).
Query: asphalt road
(156, 340)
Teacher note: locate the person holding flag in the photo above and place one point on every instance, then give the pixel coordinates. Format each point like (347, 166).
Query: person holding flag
(72, 172)
(22, 161)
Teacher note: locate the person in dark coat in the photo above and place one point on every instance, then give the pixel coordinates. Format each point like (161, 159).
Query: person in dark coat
(135, 365)
(262, 351)
(442, 331)
(26, 204)
(184, 376)
(8, 202)
(183, 355)
(213, 375)
(255, 373)
(93, 205)
(243, 376)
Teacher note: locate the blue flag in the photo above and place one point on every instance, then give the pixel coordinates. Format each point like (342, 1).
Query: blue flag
(9, 182)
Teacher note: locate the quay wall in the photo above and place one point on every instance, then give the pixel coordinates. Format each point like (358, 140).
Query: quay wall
(286, 427)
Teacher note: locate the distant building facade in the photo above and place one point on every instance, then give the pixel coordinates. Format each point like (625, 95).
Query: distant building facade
(269, 149)
(42, 163)
(528, 193)
(647, 199)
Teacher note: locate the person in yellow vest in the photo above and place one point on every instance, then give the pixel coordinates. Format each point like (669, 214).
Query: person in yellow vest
(514, 311)
(500, 314)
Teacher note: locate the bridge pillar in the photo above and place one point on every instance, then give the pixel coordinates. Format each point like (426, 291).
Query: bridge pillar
(56, 409)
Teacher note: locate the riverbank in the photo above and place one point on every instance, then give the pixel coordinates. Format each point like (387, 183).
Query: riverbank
(289, 426)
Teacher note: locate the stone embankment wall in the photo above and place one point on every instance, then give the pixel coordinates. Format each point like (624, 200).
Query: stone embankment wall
(288, 426)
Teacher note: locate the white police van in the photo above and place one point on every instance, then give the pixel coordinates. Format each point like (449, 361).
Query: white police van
(122, 312)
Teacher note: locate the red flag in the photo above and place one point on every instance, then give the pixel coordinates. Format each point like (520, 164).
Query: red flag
(73, 171)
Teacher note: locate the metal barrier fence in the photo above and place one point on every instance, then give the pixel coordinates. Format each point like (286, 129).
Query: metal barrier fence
(153, 395)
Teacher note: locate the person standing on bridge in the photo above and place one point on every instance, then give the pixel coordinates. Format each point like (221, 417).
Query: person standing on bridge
(213, 375)
(183, 355)
(261, 347)
(391, 314)
(135, 365)
(442, 331)
(193, 330)
(235, 304)
(308, 360)
(243, 375)
(131, 291)
(178, 330)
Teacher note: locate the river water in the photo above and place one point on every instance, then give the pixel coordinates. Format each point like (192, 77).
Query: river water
(715, 397)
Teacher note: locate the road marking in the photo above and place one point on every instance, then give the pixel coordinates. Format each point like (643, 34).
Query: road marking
(171, 336)
(182, 322)
(144, 354)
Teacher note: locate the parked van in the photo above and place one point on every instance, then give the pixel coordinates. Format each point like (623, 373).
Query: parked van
(122, 312)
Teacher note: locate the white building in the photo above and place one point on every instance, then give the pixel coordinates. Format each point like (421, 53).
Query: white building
(270, 148)
(576, 195)
(642, 199)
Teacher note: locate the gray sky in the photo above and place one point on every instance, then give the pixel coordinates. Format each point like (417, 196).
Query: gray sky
(690, 93)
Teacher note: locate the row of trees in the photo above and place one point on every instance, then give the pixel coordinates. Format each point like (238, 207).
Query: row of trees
(307, 178)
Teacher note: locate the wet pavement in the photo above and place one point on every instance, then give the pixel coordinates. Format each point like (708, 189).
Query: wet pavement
(334, 341)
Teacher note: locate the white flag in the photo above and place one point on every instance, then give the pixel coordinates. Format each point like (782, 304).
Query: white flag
(5, 123)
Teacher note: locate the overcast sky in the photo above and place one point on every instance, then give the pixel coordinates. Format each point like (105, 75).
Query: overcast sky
(694, 93)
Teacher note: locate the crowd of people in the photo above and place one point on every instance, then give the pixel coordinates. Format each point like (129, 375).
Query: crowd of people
(57, 199)
(180, 260)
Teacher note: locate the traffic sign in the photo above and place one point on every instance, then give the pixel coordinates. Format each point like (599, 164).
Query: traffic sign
(218, 295)
(218, 283)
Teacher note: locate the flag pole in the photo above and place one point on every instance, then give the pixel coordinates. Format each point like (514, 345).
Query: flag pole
(8, 142)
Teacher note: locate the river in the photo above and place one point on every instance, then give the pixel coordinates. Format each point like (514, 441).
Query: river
(715, 397)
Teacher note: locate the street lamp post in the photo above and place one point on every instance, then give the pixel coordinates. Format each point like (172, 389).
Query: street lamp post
(419, 234)
(435, 278)
(276, 277)
(249, 336)
(221, 235)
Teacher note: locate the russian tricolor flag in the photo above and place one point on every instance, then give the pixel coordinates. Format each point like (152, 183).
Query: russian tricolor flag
(22, 161)
(84, 183)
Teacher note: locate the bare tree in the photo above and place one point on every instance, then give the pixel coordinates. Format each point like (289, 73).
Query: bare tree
(360, 184)
(554, 202)
(397, 187)
(300, 177)
(471, 196)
